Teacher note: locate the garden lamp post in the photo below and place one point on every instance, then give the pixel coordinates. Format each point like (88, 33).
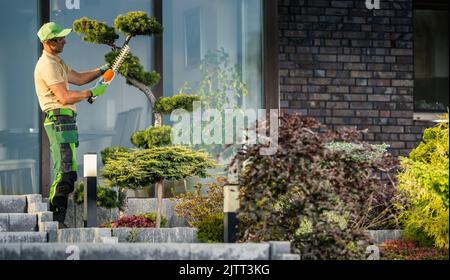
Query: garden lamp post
(231, 205)
(90, 190)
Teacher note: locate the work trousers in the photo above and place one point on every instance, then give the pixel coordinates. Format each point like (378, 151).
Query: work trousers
(63, 137)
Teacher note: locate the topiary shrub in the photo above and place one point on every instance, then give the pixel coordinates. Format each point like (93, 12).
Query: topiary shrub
(157, 161)
(109, 152)
(165, 105)
(132, 68)
(92, 31)
(138, 23)
(311, 192)
(152, 136)
(141, 168)
(210, 230)
(424, 181)
(132, 24)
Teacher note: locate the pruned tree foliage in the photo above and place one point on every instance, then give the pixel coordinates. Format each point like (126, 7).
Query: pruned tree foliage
(152, 136)
(138, 23)
(93, 31)
(132, 68)
(132, 24)
(165, 105)
(144, 167)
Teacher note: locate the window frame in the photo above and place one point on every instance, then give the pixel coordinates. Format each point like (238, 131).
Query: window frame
(44, 146)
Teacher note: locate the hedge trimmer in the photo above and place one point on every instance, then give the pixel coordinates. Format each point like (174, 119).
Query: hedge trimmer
(109, 75)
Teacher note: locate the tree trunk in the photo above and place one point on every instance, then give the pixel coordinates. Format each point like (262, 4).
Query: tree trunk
(157, 123)
(159, 185)
(145, 89)
(123, 200)
(159, 190)
(158, 120)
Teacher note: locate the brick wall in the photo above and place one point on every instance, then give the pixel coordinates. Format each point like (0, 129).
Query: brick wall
(349, 66)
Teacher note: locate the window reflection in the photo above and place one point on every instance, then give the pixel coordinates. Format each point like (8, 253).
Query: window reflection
(231, 28)
(213, 49)
(19, 145)
(431, 60)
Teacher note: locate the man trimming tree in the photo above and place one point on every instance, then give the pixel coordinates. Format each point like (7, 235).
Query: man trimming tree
(51, 77)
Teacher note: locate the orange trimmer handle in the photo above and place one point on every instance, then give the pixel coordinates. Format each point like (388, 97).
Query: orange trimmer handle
(108, 75)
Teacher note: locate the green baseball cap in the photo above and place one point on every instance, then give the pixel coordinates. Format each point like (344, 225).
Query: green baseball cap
(52, 30)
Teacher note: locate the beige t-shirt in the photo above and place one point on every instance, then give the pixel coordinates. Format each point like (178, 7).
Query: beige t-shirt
(50, 69)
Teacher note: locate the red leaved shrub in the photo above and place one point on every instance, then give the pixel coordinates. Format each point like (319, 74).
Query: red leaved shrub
(132, 221)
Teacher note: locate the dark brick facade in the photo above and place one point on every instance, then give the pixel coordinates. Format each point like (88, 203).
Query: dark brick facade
(349, 66)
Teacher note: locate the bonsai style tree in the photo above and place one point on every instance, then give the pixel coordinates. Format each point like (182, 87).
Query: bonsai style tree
(156, 159)
(132, 24)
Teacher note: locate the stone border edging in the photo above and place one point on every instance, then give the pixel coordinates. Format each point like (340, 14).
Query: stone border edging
(145, 251)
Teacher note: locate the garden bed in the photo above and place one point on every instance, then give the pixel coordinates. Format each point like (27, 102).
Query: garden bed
(74, 216)
(409, 250)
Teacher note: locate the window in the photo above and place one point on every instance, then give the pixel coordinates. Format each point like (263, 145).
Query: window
(431, 57)
(19, 129)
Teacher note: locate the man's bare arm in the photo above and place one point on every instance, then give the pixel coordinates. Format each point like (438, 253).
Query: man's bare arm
(68, 97)
(83, 78)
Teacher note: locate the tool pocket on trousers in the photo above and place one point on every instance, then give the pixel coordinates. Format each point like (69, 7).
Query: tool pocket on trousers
(66, 133)
(66, 157)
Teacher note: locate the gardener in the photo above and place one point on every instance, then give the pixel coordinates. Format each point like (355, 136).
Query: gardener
(51, 78)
